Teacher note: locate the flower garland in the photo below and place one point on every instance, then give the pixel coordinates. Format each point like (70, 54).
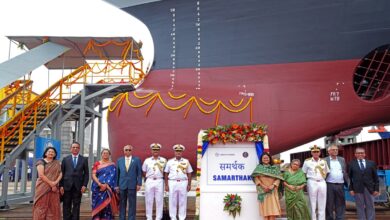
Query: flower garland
(235, 133)
(198, 173)
(206, 107)
(232, 204)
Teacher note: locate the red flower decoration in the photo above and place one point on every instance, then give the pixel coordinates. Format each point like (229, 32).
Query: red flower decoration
(235, 133)
(232, 204)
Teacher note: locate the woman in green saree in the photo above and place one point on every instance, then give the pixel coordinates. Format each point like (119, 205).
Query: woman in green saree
(294, 182)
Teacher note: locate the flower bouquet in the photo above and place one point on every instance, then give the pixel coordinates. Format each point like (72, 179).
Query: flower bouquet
(232, 204)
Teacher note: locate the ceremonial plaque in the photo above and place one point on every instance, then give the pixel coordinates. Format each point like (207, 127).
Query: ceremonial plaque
(226, 169)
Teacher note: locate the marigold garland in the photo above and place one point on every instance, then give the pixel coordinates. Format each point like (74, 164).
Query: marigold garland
(151, 98)
(235, 133)
(198, 174)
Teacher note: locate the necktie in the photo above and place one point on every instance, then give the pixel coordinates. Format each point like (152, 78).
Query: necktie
(74, 162)
(127, 164)
(361, 164)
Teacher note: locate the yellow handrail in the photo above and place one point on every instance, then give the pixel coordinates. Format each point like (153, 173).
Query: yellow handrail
(18, 92)
(62, 90)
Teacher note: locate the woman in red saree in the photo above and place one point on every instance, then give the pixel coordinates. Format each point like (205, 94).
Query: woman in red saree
(47, 194)
(104, 198)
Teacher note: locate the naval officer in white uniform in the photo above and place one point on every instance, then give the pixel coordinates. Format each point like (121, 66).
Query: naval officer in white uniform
(178, 182)
(153, 169)
(316, 170)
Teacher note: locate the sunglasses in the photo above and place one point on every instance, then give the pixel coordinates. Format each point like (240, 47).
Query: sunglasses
(127, 149)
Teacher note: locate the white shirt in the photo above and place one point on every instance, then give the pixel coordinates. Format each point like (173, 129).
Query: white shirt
(75, 156)
(154, 168)
(178, 169)
(336, 172)
(364, 163)
(313, 168)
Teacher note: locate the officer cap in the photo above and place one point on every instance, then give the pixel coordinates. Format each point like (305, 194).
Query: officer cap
(155, 146)
(315, 148)
(178, 147)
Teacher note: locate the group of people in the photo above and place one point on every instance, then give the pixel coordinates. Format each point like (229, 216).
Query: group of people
(325, 180)
(114, 186)
(66, 181)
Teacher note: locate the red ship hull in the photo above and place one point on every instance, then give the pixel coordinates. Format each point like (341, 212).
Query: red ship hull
(298, 101)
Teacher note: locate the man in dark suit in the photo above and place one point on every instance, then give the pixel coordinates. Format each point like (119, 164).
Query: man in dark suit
(335, 181)
(364, 184)
(129, 181)
(75, 177)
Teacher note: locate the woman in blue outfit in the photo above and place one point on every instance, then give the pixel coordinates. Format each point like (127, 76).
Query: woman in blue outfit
(104, 198)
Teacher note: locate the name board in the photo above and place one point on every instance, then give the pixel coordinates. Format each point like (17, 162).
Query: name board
(42, 143)
(231, 165)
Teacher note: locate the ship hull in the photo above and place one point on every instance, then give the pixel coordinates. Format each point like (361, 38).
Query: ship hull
(295, 60)
(295, 100)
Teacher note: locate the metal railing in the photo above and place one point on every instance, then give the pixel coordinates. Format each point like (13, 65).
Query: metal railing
(106, 71)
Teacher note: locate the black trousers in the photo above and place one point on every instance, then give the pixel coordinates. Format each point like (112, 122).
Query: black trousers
(335, 201)
(71, 204)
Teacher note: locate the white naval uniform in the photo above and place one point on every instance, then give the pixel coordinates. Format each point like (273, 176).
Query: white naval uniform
(316, 186)
(154, 186)
(177, 182)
